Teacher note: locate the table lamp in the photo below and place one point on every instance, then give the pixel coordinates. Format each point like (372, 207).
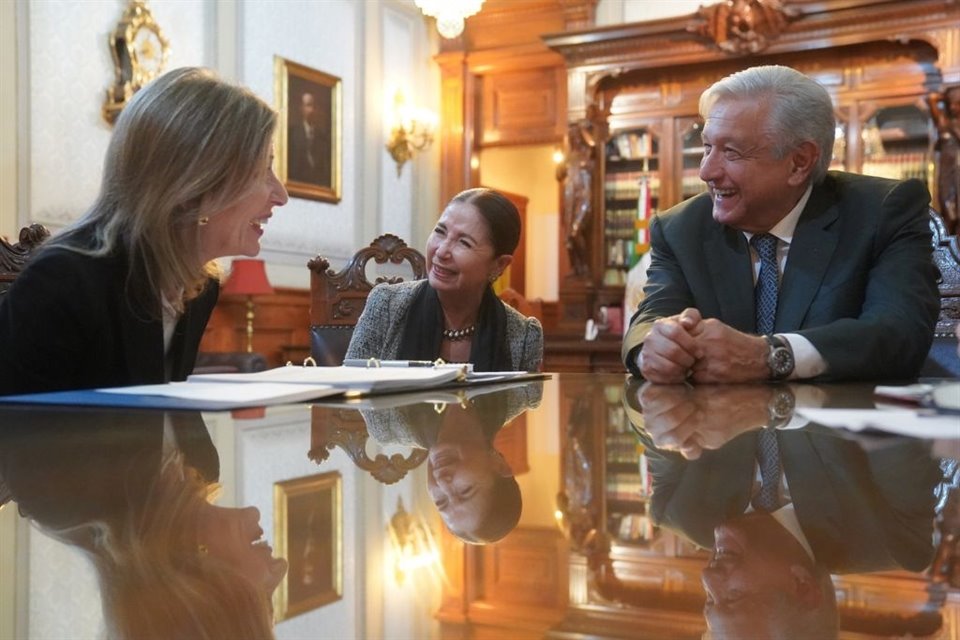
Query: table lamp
(248, 278)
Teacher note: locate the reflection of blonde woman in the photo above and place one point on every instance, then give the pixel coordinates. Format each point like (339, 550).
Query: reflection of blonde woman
(184, 568)
(169, 564)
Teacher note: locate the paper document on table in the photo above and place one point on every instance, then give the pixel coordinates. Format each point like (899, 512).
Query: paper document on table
(916, 423)
(352, 380)
(910, 393)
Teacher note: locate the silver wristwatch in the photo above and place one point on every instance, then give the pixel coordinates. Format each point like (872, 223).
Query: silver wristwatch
(779, 358)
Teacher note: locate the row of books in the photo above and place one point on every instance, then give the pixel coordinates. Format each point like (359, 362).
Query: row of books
(898, 166)
(633, 144)
(623, 453)
(623, 253)
(626, 185)
(633, 527)
(623, 223)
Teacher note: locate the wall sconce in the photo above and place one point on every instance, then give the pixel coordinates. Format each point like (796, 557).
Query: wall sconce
(412, 130)
(450, 14)
(248, 278)
(414, 547)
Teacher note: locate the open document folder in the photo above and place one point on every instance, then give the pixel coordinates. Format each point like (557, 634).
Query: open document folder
(222, 391)
(354, 380)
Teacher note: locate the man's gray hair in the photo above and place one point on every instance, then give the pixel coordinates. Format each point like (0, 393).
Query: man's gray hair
(800, 108)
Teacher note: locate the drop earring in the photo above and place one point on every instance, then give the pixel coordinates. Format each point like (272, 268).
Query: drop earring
(203, 221)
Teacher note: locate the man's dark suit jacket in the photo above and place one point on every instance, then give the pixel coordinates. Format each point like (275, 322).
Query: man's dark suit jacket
(859, 281)
(68, 323)
(860, 510)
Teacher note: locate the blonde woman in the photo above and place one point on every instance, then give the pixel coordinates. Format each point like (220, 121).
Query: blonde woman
(122, 296)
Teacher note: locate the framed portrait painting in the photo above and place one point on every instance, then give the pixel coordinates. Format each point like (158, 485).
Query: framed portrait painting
(308, 524)
(309, 131)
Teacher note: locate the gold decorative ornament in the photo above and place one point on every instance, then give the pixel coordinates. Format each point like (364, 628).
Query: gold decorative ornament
(140, 52)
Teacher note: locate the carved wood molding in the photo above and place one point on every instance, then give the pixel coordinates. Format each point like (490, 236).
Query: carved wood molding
(744, 26)
(13, 257)
(819, 24)
(347, 430)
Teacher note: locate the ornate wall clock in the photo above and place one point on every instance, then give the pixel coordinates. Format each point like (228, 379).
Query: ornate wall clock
(140, 53)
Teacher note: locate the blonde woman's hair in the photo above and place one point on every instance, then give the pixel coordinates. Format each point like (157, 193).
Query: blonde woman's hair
(185, 147)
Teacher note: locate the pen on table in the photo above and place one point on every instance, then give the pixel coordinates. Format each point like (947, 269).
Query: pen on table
(374, 363)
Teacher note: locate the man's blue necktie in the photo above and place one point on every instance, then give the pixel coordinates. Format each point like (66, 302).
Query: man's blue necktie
(765, 292)
(768, 457)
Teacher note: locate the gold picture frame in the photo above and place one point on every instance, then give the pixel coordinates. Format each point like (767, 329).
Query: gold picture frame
(308, 528)
(309, 130)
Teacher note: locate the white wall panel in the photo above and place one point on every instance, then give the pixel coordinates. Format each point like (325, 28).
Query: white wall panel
(70, 69)
(63, 598)
(270, 454)
(320, 35)
(398, 73)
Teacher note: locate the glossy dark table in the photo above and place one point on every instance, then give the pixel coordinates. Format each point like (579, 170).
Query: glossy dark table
(581, 505)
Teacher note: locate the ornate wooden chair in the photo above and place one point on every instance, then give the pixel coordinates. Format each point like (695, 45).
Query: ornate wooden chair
(513, 298)
(943, 359)
(14, 257)
(337, 298)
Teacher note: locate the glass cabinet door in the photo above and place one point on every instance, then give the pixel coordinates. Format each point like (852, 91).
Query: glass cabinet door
(631, 195)
(691, 146)
(896, 142)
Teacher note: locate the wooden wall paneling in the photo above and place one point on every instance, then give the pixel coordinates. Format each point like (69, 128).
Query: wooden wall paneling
(456, 143)
(525, 107)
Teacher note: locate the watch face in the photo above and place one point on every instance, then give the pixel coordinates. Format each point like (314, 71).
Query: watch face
(147, 51)
(781, 361)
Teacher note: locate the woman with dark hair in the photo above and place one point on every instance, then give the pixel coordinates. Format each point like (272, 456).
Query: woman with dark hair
(454, 314)
(122, 296)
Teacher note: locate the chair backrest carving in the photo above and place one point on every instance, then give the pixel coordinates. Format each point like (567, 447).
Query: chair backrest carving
(13, 257)
(946, 256)
(942, 359)
(337, 298)
(527, 307)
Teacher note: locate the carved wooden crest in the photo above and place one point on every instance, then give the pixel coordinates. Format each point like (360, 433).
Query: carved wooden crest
(14, 257)
(744, 26)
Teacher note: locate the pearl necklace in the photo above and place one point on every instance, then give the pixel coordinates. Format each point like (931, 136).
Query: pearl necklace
(458, 334)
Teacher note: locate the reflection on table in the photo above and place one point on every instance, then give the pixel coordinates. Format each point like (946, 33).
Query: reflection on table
(582, 504)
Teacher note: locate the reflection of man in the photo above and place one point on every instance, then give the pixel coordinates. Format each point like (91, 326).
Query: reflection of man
(859, 509)
(839, 263)
(780, 517)
(762, 583)
(309, 141)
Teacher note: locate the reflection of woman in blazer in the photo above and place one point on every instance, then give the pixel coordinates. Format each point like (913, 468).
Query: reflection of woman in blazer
(120, 487)
(469, 481)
